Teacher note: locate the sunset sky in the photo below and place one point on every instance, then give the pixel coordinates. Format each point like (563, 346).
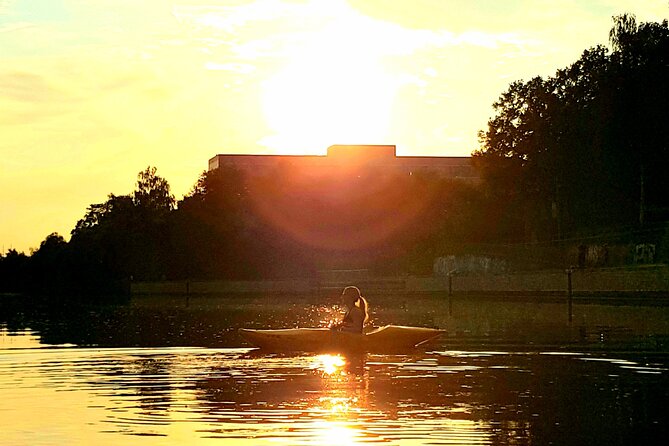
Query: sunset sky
(93, 91)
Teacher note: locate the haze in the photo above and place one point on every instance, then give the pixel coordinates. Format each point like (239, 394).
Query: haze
(91, 92)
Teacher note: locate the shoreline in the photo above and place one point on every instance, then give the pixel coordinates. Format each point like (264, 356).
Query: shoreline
(647, 282)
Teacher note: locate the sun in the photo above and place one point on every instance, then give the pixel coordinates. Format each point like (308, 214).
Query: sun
(333, 90)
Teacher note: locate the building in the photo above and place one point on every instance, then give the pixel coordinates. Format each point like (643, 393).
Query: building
(382, 157)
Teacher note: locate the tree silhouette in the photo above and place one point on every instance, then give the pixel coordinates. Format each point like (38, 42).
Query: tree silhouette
(623, 31)
(153, 191)
(14, 271)
(586, 149)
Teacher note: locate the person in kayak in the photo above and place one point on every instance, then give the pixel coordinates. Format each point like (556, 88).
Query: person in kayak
(356, 311)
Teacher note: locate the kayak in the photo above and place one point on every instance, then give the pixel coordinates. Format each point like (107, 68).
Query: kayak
(384, 339)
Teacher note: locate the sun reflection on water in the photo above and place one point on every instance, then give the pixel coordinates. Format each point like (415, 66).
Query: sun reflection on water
(330, 364)
(19, 339)
(340, 394)
(336, 433)
(173, 396)
(340, 405)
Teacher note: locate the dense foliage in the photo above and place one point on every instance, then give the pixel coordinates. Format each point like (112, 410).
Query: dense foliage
(587, 149)
(286, 222)
(280, 223)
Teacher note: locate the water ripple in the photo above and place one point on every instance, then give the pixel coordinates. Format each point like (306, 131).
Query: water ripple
(190, 395)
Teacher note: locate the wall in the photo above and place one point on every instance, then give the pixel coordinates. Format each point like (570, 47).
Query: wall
(640, 279)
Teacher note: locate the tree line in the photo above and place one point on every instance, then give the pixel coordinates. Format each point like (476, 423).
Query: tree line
(580, 153)
(283, 223)
(587, 149)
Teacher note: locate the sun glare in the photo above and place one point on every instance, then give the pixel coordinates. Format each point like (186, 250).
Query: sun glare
(330, 364)
(333, 90)
(333, 433)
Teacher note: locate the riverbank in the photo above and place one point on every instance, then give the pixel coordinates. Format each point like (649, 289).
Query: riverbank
(643, 281)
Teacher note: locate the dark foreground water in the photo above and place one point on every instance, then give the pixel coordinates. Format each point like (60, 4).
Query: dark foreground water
(165, 371)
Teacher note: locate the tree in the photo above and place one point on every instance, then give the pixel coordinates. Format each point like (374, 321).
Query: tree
(13, 271)
(519, 157)
(623, 31)
(128, 236)
(101, 213)
(153, 191)
(49, 272)
(587, 148)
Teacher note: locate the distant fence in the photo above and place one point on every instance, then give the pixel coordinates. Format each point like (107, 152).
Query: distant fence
(648, 278)
(653, 278)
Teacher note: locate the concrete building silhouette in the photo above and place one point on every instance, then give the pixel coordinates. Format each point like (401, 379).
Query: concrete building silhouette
(378, 157)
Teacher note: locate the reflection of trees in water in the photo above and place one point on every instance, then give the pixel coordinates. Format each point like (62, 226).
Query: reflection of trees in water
(212, 321)
(161, 322)
(148, 382)
(473, 397)
(153, 385)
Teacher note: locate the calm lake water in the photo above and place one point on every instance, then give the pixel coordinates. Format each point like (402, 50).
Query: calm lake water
(167, 371)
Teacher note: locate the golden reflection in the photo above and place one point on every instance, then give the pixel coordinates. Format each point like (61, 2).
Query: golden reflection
(21, 339)
(339, 402)
(336, 433)
(337, 406)
(331, 364)
(329, 315)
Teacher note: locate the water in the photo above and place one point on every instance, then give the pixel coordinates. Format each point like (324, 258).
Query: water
(158, 371)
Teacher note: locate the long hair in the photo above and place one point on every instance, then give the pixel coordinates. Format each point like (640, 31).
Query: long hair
(360, 301)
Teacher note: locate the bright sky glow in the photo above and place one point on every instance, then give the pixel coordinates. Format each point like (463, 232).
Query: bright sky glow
(93, 91)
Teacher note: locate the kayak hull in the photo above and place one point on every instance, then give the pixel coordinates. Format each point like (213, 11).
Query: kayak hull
(388, 338)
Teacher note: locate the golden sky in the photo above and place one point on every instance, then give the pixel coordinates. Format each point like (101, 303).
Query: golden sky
(93, 91)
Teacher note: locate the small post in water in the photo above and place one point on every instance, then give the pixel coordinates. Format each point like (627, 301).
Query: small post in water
(450, 292)
(569, 294)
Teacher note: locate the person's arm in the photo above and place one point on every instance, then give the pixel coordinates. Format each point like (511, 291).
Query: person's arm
(345, 322)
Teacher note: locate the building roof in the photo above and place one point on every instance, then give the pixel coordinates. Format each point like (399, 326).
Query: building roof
(361, 155)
